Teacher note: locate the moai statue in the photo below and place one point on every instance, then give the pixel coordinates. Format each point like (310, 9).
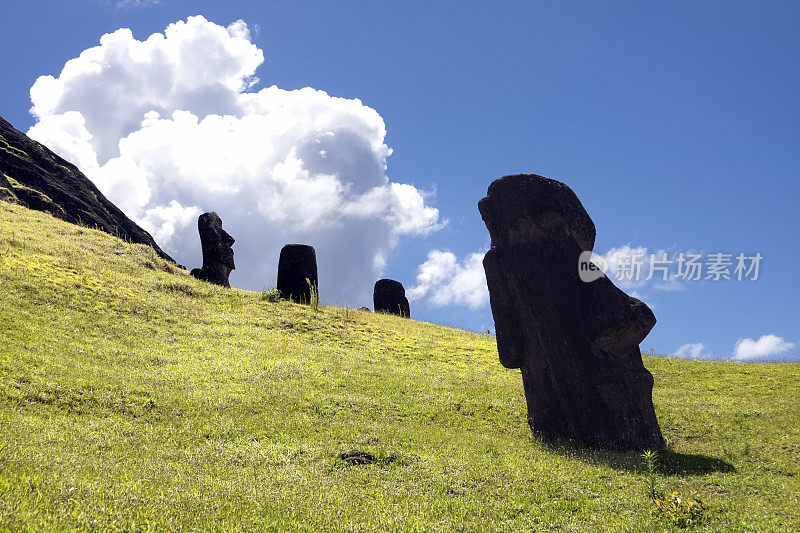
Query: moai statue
(297, 267)
(217, 251)
(576, 341)
(389, 296)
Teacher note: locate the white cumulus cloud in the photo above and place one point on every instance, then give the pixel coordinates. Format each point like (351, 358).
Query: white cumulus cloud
(170, 127)
(635, 268)
(131, 4)
(767, 346)
(444, 280)
(692, 350)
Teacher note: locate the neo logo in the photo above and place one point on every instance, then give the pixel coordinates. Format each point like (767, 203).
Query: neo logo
(591, 266)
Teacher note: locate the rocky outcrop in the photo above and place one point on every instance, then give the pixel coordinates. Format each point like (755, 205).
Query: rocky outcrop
(217, 250)
(357, 457)
(576, 343)
(389, 296)
(34, 176)
(297, 267)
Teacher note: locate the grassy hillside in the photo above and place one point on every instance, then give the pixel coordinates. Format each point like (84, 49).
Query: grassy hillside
(133, 397)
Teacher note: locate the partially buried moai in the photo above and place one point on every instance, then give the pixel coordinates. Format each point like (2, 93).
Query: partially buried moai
(217, 251)
(297, 272)
(576, 342)
(389, 296)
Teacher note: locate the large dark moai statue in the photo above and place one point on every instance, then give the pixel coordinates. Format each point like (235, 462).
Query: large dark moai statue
(297, 263)
(217, 251)
(576, 342)
(389, 296)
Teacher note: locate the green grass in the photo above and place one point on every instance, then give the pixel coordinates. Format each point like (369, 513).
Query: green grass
(7, 195)
(17, 190)
(4, 146)
(134, 397)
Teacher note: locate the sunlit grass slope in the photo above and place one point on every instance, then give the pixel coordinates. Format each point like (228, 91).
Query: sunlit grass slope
(133, 397)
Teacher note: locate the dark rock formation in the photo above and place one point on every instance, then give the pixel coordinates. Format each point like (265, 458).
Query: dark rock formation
(389, 296)
(367, 309)
(357, 457)
(297, 263)
(217, 251)
(577, 343)
(34, 176)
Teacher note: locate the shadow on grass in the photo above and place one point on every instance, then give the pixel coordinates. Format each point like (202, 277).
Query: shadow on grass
(670, 463)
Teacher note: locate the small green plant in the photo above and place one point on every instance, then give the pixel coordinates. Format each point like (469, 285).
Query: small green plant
(271, 295)
(682, 512)
(727, 453)
(151, 258)
(384, 458)
(7, 195)
(236, 301)
(651, 464)
(176, 287)
(3, 458)
(313, 290)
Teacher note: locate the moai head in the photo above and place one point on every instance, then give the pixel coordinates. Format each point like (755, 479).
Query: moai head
(216, 242)
(297, 267)
(389, 296)
(576, 342)
(217, 250)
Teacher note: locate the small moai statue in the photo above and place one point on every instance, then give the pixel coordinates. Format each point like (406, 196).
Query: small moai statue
(217, 251)
(389, 296)
(297, 268)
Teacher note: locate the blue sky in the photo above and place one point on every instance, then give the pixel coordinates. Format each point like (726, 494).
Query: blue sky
(677, 124)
